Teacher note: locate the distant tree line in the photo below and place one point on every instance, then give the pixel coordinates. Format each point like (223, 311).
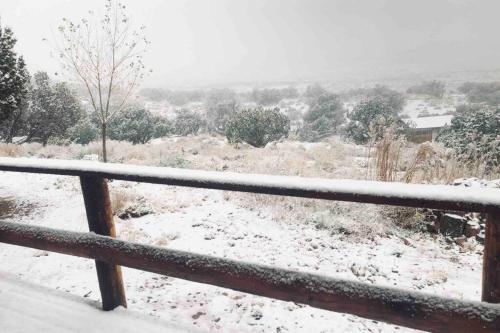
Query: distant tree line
(430, 88)
(264, 96)
(481, 92)
(272, 96)
(174, 97)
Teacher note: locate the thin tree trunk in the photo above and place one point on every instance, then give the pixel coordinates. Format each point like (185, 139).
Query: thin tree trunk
(103, 133)
(10, 135)
(13, 128)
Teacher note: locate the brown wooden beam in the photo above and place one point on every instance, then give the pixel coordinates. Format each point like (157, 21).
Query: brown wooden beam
(395, 306)
(384, 193)
(100, 220)
(491, 260)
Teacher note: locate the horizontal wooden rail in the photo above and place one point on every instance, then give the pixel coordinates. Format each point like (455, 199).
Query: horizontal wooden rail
(400, 307)
(411, 195)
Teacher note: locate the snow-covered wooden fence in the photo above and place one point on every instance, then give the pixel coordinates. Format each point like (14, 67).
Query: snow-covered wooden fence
(400, 307)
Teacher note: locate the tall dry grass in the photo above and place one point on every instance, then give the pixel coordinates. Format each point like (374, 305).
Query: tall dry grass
(387, 156)
(11, 150)
(394, 159)
(423, 155)
(332, 158)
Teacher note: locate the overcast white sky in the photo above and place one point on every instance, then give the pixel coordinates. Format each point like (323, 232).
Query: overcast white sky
(217, 41)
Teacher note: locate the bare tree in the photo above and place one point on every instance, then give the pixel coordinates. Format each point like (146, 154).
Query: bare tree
(106, 55)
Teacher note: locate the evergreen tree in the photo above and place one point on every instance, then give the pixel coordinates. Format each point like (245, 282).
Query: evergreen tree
(53, 110)
(14, 80)
(257, 127)
(15, 123)
(324, 117)
(84, 131)
(474, 135)
(186, 122)
(138, 125)
(370, 119)
(221, 104)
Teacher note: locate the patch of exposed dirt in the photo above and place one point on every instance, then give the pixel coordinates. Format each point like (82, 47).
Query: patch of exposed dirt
(11, 208)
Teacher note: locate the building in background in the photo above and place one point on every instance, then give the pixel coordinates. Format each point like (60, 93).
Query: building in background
(426, 128)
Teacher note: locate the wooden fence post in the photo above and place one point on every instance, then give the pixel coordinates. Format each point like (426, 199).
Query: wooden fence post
(100, 220)
(491, 260)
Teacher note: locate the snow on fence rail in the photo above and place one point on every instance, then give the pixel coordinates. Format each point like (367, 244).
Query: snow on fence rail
(412, 195)
(411, 309)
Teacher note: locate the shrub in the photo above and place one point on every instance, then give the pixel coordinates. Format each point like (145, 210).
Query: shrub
(84, 132)
(257, 127)
(186, 122)
(392, 98)
(218, 115)
(405, 217)
(307, 134)
(220, 105)
(53, 109)
(370, 118)
(474, 135)
(313, 92)
(324, 117)
(137, 125)
(273, 96)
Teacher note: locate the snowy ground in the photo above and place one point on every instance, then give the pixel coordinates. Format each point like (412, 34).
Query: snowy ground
(210, 222)
(27, 307)
(416, 107)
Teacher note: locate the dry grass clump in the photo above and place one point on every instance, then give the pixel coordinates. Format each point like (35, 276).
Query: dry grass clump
(121, 198)
(432, 163)
(394, 159)
(11, 150)
(331, 159)
(128, 232)
(353, 219)
(10, 207)
(387, 156)
(407, 218)
(424, 152)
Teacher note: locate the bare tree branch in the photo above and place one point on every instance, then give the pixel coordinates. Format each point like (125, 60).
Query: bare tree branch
(105, 54)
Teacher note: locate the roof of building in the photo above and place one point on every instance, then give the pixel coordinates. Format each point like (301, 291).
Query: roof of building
(429, 122)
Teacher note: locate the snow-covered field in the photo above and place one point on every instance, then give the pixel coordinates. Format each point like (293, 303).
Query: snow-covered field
(214, 223)
(418, 107)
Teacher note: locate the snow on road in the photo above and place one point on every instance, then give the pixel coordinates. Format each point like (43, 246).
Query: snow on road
(209, 222)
